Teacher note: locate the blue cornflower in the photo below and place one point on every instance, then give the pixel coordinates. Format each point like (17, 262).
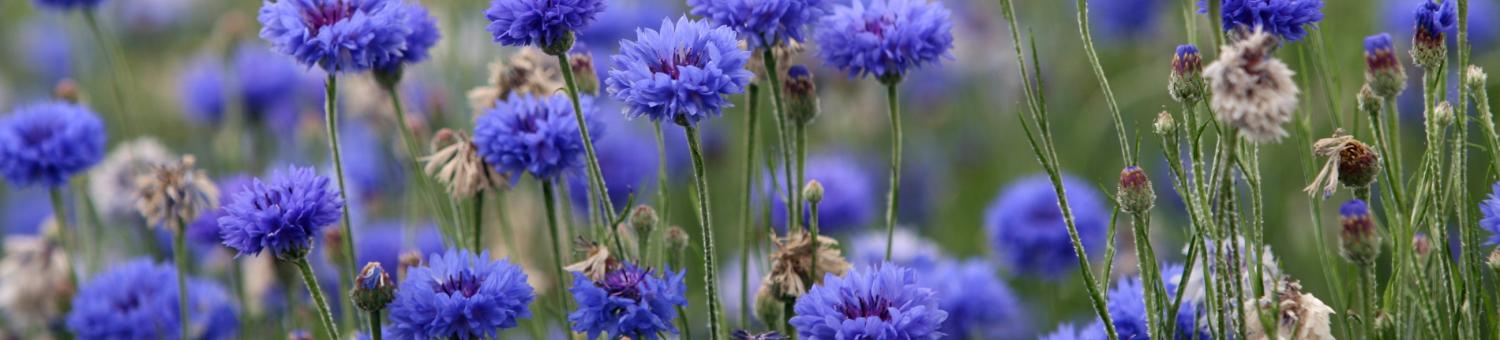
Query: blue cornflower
(283, 214)
(45, 143)
(540, 23)
(978, 302)
(908, 249)
(202, 88)
(536, 135)
(885, 38)
(619, 21)
(1027, 231)
(370, 167)
(460, 295)
(68, 4)
(1127, 308)
(628, 163)
(1483, 30)
(849, 197)
(384, 241)
(1284, 18)
(1070, 331)
(680, 73)
(1490, 209)
(876, 302)
(424, 34)
(138, 300)
(1125, 18)
(1433, 19)
(205, 229)
(338, 35)
(762, 22)
(266, 87)
(630, 301)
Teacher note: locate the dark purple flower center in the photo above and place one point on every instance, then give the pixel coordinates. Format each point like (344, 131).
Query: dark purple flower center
(463, 281)
(864, 307)
(327, 14)
(35, 134)
(679, 59)
(130, 303)
(877, 26)
(625, 282)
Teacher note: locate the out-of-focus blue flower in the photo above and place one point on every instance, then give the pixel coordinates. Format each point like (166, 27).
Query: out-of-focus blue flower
(149, 16)
(1483, 30)
(762, 22)
(47, 49)
(68, 4)
(628, 161)
(539, 23)
(384, 241)
(1435, 18)
(885, 38)
(849, 198)
(536, 135)
(1070, 331)
(283, 214)
(45, 143)
(424, 34)
(205, 230)
(1125, 18)
(1490, 209)
(1187, 312)
(1127, 308)
(1027, 231)
(370, 165)
(977, 301)
(619, 21)
(629, 302)
(458, 295)
(875, 302)
(338, 35)
(1284, 18)
(138, 300)
(266, 86)
(681, 72)
(202, 89)
(25, 210)
(907, 250)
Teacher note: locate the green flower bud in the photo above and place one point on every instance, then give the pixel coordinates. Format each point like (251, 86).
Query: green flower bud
(373, 289)
(1135, 192)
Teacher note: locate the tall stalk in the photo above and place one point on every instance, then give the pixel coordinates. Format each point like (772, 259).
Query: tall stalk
(793, 197)
(597, 187)
(331, 120)
(119, 72)
(64, 233)
(705, 220)
(893, 196)
(549, 194)
(179, 250)
(325, 315)
(1109, 94)
(747, 239)
(435, 200)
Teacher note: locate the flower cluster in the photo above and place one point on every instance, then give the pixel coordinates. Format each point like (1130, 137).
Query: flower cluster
(45, 143)
(536, 135)
(138, 300)
(540, 23)
(460, 295)
(885, 38)
(877, 302)
(762, 23)
(628, 302)
(1284, 18)
(348, 35)
(679, 73)
(283, 214)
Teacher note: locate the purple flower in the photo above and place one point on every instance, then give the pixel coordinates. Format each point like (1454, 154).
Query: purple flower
(628, 161)
(1125, 18)
(338, 35)
(460, 295)
(283, 214)
(907, 250)
(45, 143)
(1284, 18)
(68, 4)
(877, 302)
(885, 38)
(849, 198)
(1397, 16)
(536, 135)
(1127, 308)
(424, 34)
(1490, 209)
(1027, 231)
(138, 300)
(540, 23)
(680, 73)
(1433, 19)
(630, 301)
(762, 22)
(977, 301)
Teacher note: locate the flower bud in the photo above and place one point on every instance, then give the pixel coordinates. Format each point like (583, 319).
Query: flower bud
(1358, 165)
(1442, 114)
(801, 95)
(561, 45)
(66, 90)
(373, 289)
(1165, 125)
(1475, 78)
(1359, 240)
(644, 219)
(1383, 71)
(677, 239)
(1422, 245)
(1428, 50)
(586, 79)
(768, 307)
(1186, 83)
(1369, 102)
(813, 192)
(1135, 193)
(388, 77)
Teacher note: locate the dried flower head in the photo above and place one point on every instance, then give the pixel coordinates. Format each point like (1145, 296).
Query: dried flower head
(1350, 162)
(112, 183)
(407, 261)
(36, 283)
(529, 70)
(792, 267)
(175, 193)
(597, 264)
(457, 164)
(1252, 91)
(1303, 316)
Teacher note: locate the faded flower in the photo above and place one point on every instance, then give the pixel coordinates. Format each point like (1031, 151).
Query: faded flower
(172, 194)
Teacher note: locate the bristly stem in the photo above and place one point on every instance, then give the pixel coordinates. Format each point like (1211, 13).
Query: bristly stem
(705, 219)
(1150, 277)
(793, 197)
(549, 195)
(812, 222)
(1109, 94)
(893, 196)
(325, 315)
(597, 187)
(752, 97)
(375, 325)
(664, 202)
(331, 120)
(179, 251)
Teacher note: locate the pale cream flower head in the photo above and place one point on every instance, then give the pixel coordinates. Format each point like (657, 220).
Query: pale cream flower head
(174, 194)
(1252, 90)
(457, 164)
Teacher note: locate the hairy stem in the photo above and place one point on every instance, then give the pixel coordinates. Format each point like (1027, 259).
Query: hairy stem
(325, 315)
(705, 220)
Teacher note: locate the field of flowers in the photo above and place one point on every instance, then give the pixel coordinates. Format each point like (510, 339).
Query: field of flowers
(749, 169)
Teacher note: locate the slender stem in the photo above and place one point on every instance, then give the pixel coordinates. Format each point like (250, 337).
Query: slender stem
(747, 238)
(549, 194)
(800, 129)
(119, 71)
(179, 251)
(892, 197)
(478, 222)
(1150, 276)
(375, 325)
(687, 323)
(414, 151)
(331, 120)
(793, 201)
(664, 202)
(705, 220)
(325, 315)
(1109, 94)
(60, 214)
(596, 176)
(812, 222)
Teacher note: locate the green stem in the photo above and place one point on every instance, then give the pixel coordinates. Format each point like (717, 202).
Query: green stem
(1109, 94)
(747, 239)
(325, 315)
(549, 194)
(60, 214)
(596, 176)
(793, 200)
(1150, 276)
(375, 325)
(331, 120)
(700, 174)
(119, 71)
(478, 222)
(179, 250)
(893, 102)
(414, 151)
(812, 222)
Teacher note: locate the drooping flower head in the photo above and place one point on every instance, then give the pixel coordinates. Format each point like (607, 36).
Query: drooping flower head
(885, 38)
(1027, 231)
(547, 24)
(849, 196)
(536, 135)
(1432, 19)
(1284, 18)
(341, 35)
(283, 214)
(45, 143)
(629, 301)
(978, 302)
(680, 72)
(460, 295)
(1252, 90)
(1490, 209)
(1383, 70)
(138, 300)
(68, 4)
(877, 302)
(763, 23)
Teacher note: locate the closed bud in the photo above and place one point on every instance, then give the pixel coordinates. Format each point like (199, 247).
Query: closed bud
(1358, 165)
(1442, 114)
(373, 289)
(1427, 48)
(677, 239)
(768, 307)
(1369, 102)
(813, 192)
(1475, 78)
(1383, 71)
(1422, 245)
(586, 79)
(388, 77)
(1165, 125)
(1135, 193)
(801, 95)
(1359, 239)
(1186, 84)
(644, 219)
(66, 90)
(561, 45)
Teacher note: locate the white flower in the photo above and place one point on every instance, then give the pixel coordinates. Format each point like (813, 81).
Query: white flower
(33, 282)
(1252, 90)
(1303, 316)
(112, 183)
